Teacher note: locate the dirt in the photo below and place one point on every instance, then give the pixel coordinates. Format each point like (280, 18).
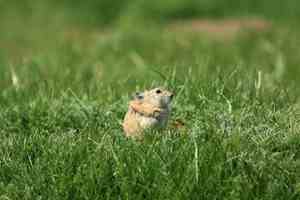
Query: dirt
(221, 29)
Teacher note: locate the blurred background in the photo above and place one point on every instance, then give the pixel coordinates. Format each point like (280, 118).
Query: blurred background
(87, 45)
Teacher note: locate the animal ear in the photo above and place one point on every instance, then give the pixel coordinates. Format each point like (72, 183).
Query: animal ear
(138, 95)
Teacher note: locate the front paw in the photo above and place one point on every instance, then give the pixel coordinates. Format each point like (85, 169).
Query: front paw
(157, 112)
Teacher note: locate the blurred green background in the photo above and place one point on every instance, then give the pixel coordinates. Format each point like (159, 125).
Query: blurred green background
(107, 12)
(54, 37)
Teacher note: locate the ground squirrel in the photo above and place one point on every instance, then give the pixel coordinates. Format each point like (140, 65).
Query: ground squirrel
(149, 109)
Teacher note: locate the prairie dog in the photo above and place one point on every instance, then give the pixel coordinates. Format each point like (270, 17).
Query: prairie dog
(149, 109)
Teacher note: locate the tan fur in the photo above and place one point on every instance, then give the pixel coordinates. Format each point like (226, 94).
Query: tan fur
(150, 112)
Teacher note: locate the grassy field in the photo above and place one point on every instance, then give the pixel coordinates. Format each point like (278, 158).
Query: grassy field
(67, 70)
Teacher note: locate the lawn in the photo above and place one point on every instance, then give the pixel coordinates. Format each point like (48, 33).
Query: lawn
(68, 69)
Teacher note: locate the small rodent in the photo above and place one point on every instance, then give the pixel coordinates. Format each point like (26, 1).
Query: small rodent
(149, 109)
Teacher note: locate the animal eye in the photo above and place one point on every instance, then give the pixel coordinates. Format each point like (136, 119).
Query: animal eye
(158, 91)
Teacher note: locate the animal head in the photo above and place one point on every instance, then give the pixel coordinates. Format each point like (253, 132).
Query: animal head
(158, 97)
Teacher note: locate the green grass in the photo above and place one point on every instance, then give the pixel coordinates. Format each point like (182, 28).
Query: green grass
(65, 87)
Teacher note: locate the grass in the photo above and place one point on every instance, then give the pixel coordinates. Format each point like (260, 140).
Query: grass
(64, 93)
